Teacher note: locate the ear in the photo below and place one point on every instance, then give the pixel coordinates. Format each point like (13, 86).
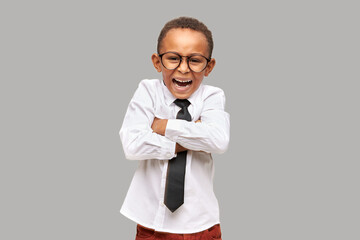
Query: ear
(156, 61)
(210, 67)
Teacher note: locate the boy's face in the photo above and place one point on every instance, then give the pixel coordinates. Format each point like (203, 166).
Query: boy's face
(182, 82)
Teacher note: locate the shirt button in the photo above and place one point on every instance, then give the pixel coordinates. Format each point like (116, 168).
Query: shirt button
(168, 155)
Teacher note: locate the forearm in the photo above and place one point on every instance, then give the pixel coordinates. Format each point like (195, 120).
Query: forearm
(206, 136)
(144, 144)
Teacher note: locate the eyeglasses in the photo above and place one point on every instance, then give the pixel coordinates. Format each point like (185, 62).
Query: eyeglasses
(172, 60)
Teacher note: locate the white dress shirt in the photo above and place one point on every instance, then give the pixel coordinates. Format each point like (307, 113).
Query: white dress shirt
(144, 202)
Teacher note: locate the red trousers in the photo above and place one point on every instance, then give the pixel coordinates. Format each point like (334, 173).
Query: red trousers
(143, 233)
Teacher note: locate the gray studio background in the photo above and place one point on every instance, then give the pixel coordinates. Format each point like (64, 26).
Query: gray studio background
(290, 71)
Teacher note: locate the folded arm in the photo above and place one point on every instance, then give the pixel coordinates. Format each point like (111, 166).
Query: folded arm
(159, 126)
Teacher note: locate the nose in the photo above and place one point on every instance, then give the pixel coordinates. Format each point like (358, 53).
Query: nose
(184, 66)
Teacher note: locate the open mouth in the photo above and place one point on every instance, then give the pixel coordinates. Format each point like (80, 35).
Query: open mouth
(182, 83)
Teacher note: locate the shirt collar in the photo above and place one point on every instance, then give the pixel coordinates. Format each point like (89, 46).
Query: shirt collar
(169, 98)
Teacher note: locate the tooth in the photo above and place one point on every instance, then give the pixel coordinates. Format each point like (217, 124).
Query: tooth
(183, 81)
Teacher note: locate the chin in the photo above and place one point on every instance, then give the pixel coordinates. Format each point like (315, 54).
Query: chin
(181, 95)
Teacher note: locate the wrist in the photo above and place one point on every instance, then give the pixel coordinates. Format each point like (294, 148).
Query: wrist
(163, 126)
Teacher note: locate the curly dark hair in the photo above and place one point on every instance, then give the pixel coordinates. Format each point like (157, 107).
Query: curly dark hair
(187, 22)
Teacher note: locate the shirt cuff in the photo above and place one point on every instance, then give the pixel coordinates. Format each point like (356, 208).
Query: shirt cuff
(169, 148)
(174, 128)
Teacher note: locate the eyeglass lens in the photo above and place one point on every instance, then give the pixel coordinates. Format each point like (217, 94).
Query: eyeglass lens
(172, 60)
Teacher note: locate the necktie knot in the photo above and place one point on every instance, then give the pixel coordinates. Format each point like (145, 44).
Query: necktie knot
(182, 103)
(184, 112)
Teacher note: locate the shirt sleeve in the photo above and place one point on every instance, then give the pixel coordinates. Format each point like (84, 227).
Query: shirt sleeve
(138, 140)
(211, 135)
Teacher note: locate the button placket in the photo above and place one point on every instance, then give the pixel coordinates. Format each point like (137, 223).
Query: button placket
(160, 215)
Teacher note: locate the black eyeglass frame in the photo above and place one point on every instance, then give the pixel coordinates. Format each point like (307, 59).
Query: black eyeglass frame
(187, 60)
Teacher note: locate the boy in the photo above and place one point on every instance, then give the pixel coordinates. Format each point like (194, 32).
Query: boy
(172, 126)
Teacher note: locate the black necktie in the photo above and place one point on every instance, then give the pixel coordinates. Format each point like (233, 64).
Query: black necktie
(174, 189)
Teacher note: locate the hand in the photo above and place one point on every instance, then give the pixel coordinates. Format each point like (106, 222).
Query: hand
(179, 148)
(159, 126)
